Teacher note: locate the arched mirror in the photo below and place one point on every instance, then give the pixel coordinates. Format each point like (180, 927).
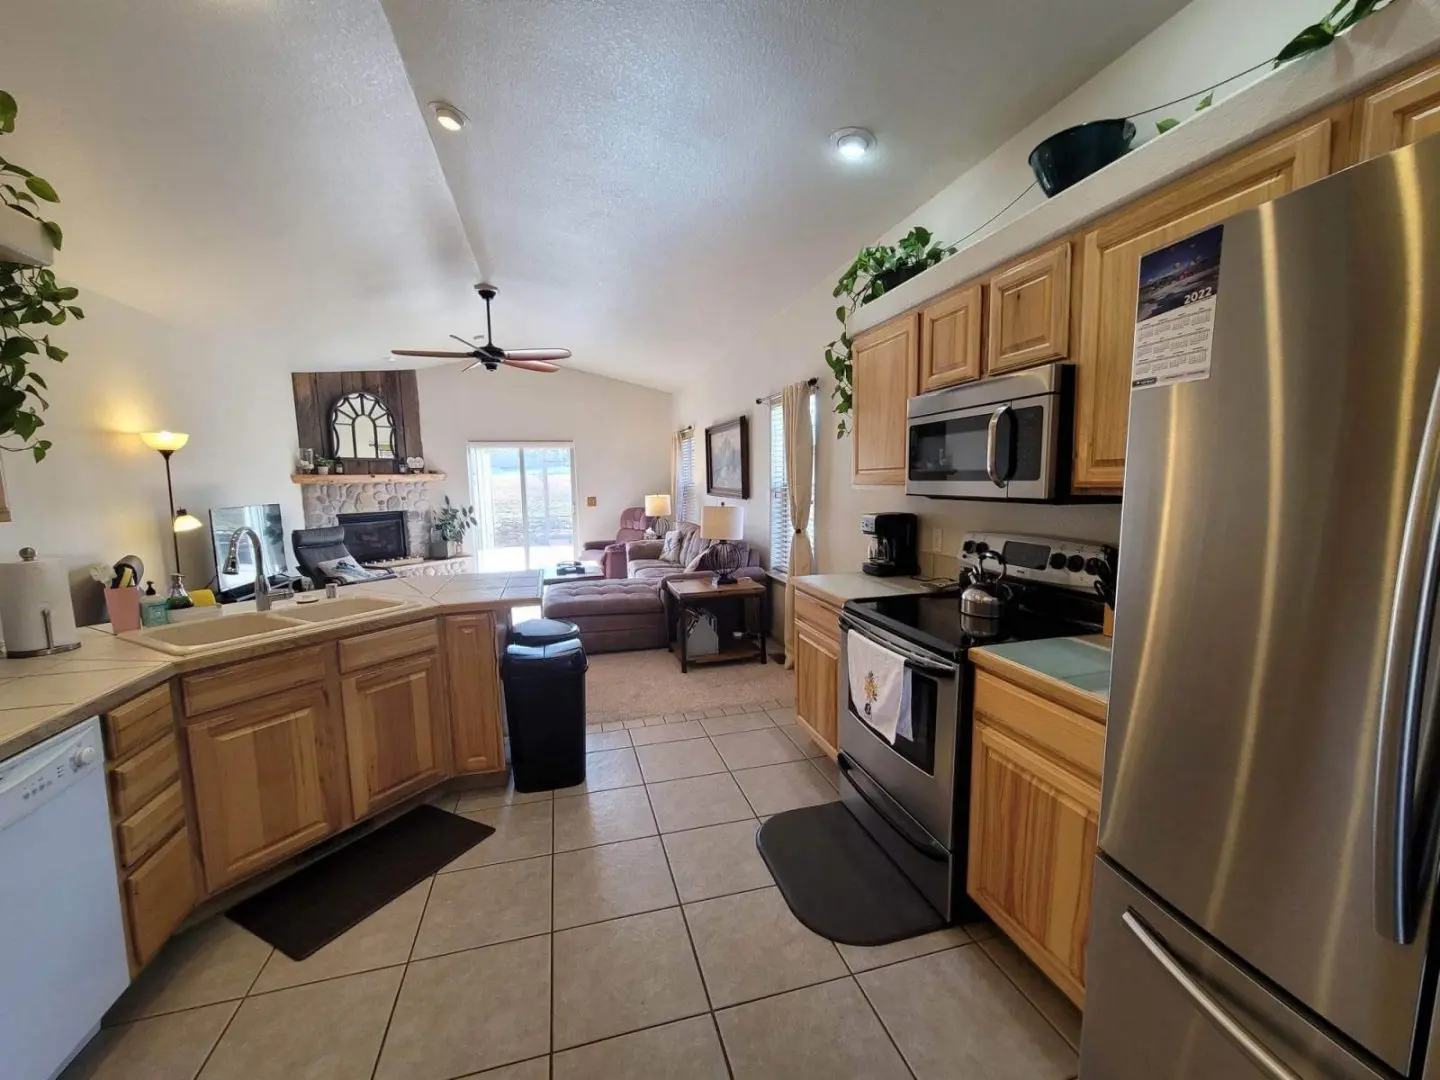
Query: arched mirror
(362, 427)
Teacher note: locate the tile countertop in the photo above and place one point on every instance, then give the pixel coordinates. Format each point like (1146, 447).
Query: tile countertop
(44, 695)
(1075, 671)
(838, 588)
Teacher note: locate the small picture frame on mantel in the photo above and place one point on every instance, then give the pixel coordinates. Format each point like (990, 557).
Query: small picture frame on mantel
(727, 459)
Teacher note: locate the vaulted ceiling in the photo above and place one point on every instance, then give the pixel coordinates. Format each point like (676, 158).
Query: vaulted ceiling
(645, 180)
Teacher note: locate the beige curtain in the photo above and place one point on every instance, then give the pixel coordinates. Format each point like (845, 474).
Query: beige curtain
(799, 467)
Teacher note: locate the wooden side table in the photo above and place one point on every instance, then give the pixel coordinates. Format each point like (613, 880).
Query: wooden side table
(703, 593)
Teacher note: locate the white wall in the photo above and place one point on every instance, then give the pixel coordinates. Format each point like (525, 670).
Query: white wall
(100, 493)
(1207, 40)
(621, 432)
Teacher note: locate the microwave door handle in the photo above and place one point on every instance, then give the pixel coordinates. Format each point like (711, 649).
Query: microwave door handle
(992, 446)
(1398, 889)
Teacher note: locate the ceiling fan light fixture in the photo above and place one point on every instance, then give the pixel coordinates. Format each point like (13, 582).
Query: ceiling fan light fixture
(448, 116)
(852, 143)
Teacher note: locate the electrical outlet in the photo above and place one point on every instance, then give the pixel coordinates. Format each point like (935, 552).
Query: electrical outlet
(591, 501)
(937, 539)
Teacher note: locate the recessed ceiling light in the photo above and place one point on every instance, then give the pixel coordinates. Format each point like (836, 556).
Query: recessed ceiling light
(448, 117)
(852, 143)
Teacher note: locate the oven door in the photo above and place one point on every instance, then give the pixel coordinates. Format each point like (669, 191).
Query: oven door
(1004, 450)
(918, 773)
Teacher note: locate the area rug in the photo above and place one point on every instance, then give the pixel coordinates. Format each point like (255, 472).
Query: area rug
(628, 685)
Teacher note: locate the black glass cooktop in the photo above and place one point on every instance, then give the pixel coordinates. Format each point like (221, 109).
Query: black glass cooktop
(932, 620)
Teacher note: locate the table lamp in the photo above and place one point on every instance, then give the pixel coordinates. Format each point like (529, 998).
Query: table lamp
(167, 442)
(657, 509)
(723, 524)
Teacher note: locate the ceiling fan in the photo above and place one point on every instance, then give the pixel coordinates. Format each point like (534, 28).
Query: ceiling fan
(490, 356)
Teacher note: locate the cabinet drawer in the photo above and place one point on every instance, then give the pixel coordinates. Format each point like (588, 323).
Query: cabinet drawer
(142, 832)
(130, 726)
(211, 690)
(1074, 739)
(820, 616)
(138, 779)
(158, 896)
(368, 649)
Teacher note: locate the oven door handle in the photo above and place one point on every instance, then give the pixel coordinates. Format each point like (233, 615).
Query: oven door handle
(916, 659)
(923, 843)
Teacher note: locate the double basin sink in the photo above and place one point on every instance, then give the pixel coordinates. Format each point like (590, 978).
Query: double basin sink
(181, 639)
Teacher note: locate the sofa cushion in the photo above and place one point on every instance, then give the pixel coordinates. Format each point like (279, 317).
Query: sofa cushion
(655, 572)
(572, 600)
(695, 544)
(674, 541)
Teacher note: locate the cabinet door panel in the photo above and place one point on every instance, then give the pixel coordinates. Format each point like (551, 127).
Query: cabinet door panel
(1033, 833)
(817, 669)
(951, 335)
(885, 363)
(1111, 267)
(475, 709)
(395, 732)
(1030, 311)
(261, 782)
(1402, 113)
(158, 896)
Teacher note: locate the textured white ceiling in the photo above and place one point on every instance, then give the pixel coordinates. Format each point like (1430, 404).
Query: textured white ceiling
(644, 179)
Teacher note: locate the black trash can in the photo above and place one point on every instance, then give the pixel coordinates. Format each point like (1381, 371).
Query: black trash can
(545, 703)
(543, 632)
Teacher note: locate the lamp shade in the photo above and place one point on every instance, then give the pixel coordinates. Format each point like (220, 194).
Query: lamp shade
(186, 521)
(657, 506)
(164, 440)
(722, 522)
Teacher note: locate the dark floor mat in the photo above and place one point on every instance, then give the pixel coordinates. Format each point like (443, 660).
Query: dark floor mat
(316, 905)
(838, 881)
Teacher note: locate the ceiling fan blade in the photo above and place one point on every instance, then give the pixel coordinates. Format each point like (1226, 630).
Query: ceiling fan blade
(471, 366)
(433, 352)
(467, 344)
(537, 354)
(530, 365)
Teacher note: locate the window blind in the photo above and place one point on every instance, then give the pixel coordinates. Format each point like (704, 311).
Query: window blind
(782, 530)
(689, 508)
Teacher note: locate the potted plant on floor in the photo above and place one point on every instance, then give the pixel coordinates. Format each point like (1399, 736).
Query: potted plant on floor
(451, 524)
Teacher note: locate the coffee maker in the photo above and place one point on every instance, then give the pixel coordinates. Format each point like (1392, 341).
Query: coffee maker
(893, 544)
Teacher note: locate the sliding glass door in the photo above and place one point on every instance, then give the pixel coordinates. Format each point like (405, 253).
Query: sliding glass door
(524, 496)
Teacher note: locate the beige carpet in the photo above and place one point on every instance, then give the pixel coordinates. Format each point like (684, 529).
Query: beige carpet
(626, 685)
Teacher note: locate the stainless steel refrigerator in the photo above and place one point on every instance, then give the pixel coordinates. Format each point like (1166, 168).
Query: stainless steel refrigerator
(1262, 902)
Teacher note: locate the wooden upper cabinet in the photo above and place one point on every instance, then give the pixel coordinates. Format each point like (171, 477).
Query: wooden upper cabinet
(885, 362)
(473, 669)
(1404, 111)
(1110, 266)
(1030, 311)
(951, 335)
(264, 779)
(396, 733)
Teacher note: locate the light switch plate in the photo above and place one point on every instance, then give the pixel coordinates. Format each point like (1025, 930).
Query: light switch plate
(937, 539)
(590, 500)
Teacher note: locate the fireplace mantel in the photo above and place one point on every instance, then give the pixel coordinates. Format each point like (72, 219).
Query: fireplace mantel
(367, 478)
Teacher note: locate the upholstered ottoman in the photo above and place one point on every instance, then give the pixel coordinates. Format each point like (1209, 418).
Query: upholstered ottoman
(612, 615)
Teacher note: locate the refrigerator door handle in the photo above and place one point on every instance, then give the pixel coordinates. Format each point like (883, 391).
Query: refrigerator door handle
(1398, 891)
(1216, 1013)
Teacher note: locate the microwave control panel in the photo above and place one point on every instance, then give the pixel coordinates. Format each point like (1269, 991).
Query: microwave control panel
(1071, 564)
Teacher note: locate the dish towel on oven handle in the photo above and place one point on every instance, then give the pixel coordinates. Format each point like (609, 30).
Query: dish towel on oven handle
(879, 686)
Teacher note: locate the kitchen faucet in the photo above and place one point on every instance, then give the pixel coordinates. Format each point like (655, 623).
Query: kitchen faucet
(264, 594)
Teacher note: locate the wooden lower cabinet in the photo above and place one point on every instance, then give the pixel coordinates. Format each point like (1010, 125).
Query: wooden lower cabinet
(885, 362)
(396, 731)
(473, 674)
(159, 893)
(268, 777)
(1110, 268)
(1033, 831)
(817, 673)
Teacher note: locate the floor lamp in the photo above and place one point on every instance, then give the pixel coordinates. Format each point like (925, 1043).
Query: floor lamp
(167, 442)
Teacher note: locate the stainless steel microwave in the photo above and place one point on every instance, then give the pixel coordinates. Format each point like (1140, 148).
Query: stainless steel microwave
(1008, 437)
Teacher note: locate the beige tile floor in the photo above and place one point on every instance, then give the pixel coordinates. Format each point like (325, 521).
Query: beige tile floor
(626, 929)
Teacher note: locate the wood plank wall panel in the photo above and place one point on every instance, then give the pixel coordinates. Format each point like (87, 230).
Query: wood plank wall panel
(317, 391)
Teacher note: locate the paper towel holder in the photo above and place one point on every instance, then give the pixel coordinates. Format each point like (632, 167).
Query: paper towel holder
(28, 555)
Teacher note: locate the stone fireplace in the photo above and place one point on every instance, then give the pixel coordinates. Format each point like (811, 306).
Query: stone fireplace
(378, 536)
(325, 503)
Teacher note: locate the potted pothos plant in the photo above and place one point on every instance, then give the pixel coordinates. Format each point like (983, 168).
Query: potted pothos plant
(31, 303)
(875, 271)
(451, 524)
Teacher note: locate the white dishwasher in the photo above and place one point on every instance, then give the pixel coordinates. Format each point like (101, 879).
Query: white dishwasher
(62, 945)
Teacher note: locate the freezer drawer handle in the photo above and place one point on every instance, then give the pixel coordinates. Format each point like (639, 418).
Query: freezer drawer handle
(1398, 837)
(1245, 1042)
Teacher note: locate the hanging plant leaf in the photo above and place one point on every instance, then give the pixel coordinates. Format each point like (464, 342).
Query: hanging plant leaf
(1309, 40)
(1363, 9)
(41, 188)
(1205, 102)
(1165, 125)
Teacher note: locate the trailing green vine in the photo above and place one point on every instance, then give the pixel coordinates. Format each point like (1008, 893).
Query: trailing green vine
(875, 271)
(31, 301)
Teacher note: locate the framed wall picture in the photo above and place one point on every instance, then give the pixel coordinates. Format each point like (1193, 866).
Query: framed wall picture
(727, 458)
